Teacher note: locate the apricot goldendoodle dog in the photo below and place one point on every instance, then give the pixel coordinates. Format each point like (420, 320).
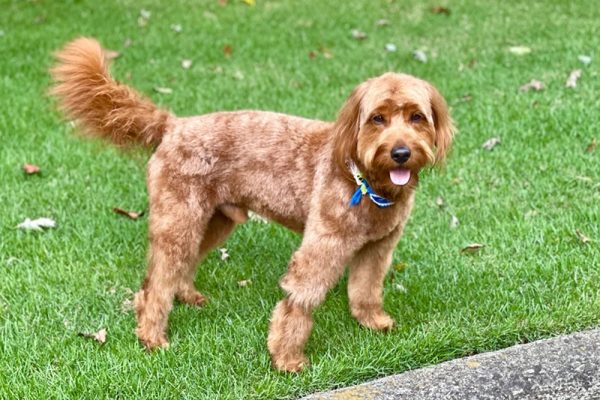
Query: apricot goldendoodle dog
(347, 185)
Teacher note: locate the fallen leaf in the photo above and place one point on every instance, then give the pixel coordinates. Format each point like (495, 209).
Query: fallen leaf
(358, 35)
(382, 22)
(176, 28)
(129, 214)
(258, 218)
(227, 50)
(326, 53)
(491, 143)
(420, 55)
(251, 3)
(244, 282)
(585, 59)
(239, 75)
(36, 224)
(127, 43)
(573, 77)
(127, 306)
(390, 47)
(224, 254)
(31, 169)
(99, 336)
(186, 64)
(473, 364)
(454, 222)
(584, 239)
(519, 50)
(143, 18)
(441, 10)
(401, 266)
(312, 54)
(111, 54)
(466, 98)
(533, 84)
(163, 90)
(439, 201)
(399, 287)
(472, 248)
(145, 13)
(222, 3)
(592, 146)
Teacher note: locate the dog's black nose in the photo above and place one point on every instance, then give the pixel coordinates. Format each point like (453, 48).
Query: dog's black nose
(400, 154)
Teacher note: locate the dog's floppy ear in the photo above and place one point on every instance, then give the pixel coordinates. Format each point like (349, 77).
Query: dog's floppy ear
(444, 127)
(347, 126)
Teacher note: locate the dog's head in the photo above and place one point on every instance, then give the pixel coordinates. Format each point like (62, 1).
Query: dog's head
(392, 126)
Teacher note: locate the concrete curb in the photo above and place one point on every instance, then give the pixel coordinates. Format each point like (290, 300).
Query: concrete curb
(565, 367)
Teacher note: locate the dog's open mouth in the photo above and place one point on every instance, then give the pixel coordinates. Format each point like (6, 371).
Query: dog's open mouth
(400, 176)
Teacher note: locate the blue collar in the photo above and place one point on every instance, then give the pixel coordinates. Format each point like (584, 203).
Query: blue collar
(365, 189)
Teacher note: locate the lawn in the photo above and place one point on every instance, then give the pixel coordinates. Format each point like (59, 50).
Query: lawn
(529, 200)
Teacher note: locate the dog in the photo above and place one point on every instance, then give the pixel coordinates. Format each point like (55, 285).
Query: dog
(348, 186)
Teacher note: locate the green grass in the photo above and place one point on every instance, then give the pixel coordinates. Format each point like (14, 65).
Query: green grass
(524, 200)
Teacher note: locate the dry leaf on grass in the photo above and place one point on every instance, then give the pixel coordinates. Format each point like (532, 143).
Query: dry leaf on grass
(186, 64)
(358, 35)
(111, 54)
(584, 239)
(36, 224)
(258, 218)
(227, 50)
(390, 47)
(401, 266)
(244, 282)
(439, 201)
(129, 214)
(519, 50)
(127, 306)
(382, 22)
(472, 248)
(420, 55)
(585, 59)
(491, 143)
(143, 18)
(99, 336)
(127, 43)
(31, 169)
(533, 84)
(222, 3)
(440, 10)
(454, 222)
(224, 254)
(572, 79)
(163, 90)
(592, 146)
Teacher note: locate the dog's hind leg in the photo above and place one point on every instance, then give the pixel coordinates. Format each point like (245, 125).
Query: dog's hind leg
(179, 216)
(218, 230)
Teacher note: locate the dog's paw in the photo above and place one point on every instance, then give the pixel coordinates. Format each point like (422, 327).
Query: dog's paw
(192, 298)
(290, 363)
(378, 321)
(152, 341)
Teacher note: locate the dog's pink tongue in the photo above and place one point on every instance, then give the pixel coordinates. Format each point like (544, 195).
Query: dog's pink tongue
(400, 176)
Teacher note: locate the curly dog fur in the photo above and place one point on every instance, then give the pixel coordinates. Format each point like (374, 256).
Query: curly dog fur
(207, 171)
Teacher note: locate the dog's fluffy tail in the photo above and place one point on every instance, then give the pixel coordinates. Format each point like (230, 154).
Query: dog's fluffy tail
(105, 108)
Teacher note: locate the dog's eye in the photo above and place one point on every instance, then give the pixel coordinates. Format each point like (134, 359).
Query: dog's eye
(378, 119)
(416, 117)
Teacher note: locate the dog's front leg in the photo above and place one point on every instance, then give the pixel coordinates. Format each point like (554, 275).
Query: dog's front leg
(368, 269)
(313, 270)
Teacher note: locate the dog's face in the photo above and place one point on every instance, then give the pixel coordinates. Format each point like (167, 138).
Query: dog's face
(392, 126)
